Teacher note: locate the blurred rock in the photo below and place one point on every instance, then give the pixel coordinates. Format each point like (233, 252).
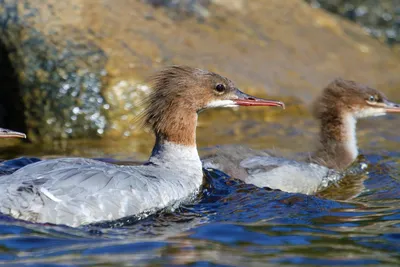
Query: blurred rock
(56, 71)
(75, 68)
(184, 8)
(381, 19)
(181, 9)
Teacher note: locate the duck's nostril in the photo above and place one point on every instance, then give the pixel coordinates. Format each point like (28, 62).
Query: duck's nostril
(251, 98)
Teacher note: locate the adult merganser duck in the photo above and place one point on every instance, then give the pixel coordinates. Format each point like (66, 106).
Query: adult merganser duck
(76, 191)
(342, 102)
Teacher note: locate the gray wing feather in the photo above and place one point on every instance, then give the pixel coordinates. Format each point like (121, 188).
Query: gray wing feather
(78, 191)
(288, 175)
(265, 170)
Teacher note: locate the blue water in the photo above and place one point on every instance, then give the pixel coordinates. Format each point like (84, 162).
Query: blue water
(229, 224)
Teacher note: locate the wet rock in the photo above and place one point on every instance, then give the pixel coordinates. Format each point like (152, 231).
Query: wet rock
(57, 74)
(77, 68)
(381, 19)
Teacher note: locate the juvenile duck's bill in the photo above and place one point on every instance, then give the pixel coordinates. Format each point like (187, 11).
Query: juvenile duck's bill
(391, 107)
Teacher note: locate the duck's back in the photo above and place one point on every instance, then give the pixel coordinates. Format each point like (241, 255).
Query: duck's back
(76, 191)
(288, 175)
(265, 170)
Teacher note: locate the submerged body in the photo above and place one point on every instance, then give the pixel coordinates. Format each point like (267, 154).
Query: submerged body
(76, 191)
(339, 107)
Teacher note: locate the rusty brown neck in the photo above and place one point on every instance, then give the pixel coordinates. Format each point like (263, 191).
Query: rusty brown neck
(176, 145)
(177, 127)
(338, 144)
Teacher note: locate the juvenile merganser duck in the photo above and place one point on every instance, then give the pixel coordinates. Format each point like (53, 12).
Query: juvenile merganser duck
(76, 191)
(5, 133)
(342, 102)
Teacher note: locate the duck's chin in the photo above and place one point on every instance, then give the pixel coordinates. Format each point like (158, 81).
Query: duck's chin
(221, 104)
(369, 112)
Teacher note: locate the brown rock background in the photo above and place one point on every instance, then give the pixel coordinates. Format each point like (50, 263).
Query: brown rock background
(77, 67)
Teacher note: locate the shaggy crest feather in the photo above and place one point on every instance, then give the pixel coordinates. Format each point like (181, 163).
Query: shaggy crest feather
(178, 94)
(167, 85)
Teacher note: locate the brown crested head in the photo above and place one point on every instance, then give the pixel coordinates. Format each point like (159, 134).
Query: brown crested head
(344, 96)
(180, 92)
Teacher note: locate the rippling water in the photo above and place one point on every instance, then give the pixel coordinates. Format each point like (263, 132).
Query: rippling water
(234, 224)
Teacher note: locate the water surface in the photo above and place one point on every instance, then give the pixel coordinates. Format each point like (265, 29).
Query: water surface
(231, 223)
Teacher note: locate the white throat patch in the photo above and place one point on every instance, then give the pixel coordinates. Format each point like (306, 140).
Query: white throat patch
(222, 104)
(351, 140)
(370, 112)
(172, 152)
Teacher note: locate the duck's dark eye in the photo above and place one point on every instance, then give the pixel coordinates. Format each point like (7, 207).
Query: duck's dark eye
(372, 98)
(220, 88)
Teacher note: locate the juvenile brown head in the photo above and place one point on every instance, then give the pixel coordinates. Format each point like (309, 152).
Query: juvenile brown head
(5, 133)
(180, 92)
(343, 102)
(353, 98)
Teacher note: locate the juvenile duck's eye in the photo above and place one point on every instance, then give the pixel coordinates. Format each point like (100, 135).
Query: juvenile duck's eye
(372, 98)
(220, 88)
